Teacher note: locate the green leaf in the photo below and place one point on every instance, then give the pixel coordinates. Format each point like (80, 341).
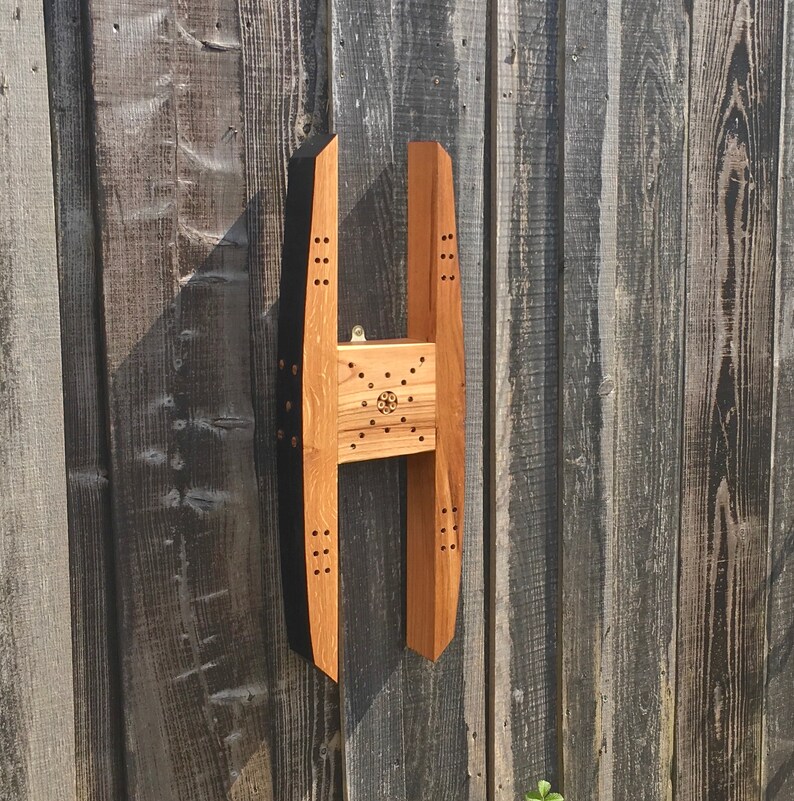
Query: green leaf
(543, 788)
(533, 796)
(554, 797)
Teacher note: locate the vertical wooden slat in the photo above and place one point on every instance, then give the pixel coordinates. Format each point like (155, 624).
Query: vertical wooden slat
(36, 711)
(777, 774)
(371, 287)
(624, 243)
(284, 100)
(733, 153)
(439, 75)
(174, 248)
(412, 729)
(524, 375)
(98, 744)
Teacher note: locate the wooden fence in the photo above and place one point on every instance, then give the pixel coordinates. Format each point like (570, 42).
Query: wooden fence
(626, 223)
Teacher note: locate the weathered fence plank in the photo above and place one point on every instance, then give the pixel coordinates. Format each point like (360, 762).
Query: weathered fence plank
(36, 711)
(284, 100)
(439, 76)
(371, 293)
(411, 728)
(173, 245)
(733, 151)
(624, 240)
(777, 755)
(524, 374)
(98, 743)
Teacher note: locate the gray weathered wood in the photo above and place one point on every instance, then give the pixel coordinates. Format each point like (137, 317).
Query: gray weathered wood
(371, 292)
(36, 711)
(624, 243)
(439, 76)
(777, 774)
(174, 249)
(413, 730)
(733, 150)
(524, 369)
(284, 100)
(98, 745)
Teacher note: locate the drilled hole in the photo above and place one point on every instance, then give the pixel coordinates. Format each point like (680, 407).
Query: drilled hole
(361, 375)
(454, 528)
(444, 238)
(413, 369)
(410, 399)
(326, 532)
(421, 439)
(452, 255)
(317, 239)
(294, 442)
(443, 278)
(294, 369)
(315, 533)
(443, 547)
(326, 240)
(325, 282)
(361, 435)
(350, 364)
(452, 547)
(327, 569)
(363, 403)
(454, 508)
(281, 364)
(317, 260)
(352, 446)
(443, 531)
(316, 572)
(451, 236)
(316, 553)
(325, 260)
(421, 359)
(452, 278)
(403, 382)
(443, 511)
(402, 419)
(371, 385)
(413, 430)
(325, 551)
(317, 282)
(388, 375)
(387, 430)
(372, 422)
(443, 255)
(288, 406)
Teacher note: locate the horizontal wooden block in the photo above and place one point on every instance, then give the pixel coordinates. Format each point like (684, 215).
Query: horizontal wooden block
(387, 399)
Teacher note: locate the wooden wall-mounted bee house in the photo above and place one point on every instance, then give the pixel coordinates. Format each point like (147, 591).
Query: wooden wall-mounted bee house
(354, 401)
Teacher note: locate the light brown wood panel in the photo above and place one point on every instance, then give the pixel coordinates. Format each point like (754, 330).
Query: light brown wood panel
(375, 428)
(435, 481)
(320, 416)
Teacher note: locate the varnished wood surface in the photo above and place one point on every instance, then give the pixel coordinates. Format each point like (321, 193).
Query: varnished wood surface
(319, 398)
(97, 707)
(525, 242)
(733, 163)
(435, 482)
(37, 734)
(371, 425)
(624, 206)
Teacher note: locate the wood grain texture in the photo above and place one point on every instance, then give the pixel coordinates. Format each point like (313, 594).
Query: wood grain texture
(439, 79)
(623, 288)
(37, 749)
(733, 156)
(371, 293)
(320, 398)
(371, 426)
(435, 482)
(285, 100)
(524, 374)
(97, 694)
(174, 249)
(777, 755)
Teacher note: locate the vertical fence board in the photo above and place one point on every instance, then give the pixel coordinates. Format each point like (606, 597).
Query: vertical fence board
(624, 195)
(524, 368)
(173, 240)
(371, 294)
(285, 99)
(777, 777)
(439, 75)
(733, 148)
(36, 712)
(98, 745)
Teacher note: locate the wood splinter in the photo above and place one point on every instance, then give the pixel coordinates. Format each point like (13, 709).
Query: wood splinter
(355, 401)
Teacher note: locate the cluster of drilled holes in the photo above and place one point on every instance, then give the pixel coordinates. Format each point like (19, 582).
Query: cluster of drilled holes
(318, 549)
(321, 260)
(452, 546)
(448, 256)
(282, 365)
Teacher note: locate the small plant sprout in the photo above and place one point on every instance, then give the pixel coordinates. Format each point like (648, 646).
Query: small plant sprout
(543, 793)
